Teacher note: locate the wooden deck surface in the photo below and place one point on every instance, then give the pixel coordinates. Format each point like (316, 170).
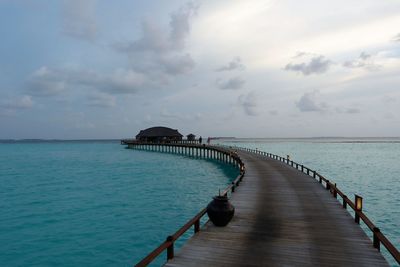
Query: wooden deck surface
(282, 218)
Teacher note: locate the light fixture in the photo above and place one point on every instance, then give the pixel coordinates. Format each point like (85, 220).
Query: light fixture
(358, 207)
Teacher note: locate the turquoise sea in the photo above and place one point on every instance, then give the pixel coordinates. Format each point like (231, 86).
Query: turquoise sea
(94, 203)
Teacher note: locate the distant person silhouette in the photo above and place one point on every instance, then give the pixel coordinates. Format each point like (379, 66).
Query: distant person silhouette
(200, 140)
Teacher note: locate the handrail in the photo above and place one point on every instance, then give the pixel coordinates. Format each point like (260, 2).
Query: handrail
(168, 244)
(378, 236)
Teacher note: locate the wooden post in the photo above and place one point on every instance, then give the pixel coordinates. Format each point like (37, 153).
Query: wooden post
(170, 249)
(197, 226)
(314, 175)
(377, 243)
(334, 191)
(344, 202)
(328, 185)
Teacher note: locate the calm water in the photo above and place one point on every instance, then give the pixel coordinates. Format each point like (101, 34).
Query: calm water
(368, 167)
(96, 203)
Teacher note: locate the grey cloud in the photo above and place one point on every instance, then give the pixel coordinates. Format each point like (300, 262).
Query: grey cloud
(154, 39)
(364, 56)
(180, 117)
(122, 81)
(249, 103)
(234, 83)
(235, 64)
(50, 82)
(79, 19)
(101, 100)
(363, 61)
(161, 52)
(353, 110)
(316, 65)
(24, 102)
(309, 103)
(388, 99)
(177, 64)
(180, 24)
(46, 82)
(273, 112)
(300, 54)
(396, 38)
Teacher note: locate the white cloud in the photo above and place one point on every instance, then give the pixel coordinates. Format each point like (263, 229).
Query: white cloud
(396, 38)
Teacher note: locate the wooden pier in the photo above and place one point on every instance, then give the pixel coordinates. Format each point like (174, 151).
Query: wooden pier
(286, 215)
(283, 218)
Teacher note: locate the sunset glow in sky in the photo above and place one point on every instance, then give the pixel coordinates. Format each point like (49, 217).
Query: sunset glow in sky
(104, 69)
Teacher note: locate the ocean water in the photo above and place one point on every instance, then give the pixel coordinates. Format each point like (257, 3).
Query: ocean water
(96, 203)
(365, 166)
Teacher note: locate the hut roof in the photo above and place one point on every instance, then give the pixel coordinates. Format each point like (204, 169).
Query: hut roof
(191, 135)
(158, 131)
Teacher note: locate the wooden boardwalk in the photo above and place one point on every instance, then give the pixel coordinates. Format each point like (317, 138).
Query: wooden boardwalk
(283, 218)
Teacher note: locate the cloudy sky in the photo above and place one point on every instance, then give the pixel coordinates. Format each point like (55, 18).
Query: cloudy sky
(106, 69)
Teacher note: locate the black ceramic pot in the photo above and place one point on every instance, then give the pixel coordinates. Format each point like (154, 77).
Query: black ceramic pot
(220, 210)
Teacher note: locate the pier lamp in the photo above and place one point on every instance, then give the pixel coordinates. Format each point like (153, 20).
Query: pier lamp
(358, 201)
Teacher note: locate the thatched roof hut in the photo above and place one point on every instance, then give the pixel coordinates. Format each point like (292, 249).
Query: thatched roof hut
(159, 134)
(191, 137)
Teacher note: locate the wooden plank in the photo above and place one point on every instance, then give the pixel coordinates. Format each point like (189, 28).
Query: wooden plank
(285, 218)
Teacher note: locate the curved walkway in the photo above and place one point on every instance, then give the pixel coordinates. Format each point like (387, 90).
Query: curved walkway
(282, 218)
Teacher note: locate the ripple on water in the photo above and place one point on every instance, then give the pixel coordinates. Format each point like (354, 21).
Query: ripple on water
(96, 204)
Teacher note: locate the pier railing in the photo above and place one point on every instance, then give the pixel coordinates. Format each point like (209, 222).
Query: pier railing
(183, 141)
(225, 154)
(378, 237)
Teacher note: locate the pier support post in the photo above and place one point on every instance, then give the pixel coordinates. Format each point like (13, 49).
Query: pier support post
(196, 226)
(170, 249)
(334, 191)
(377, 243)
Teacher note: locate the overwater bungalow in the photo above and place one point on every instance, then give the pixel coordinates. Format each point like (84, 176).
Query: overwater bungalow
(191, 137)
(159, 134)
